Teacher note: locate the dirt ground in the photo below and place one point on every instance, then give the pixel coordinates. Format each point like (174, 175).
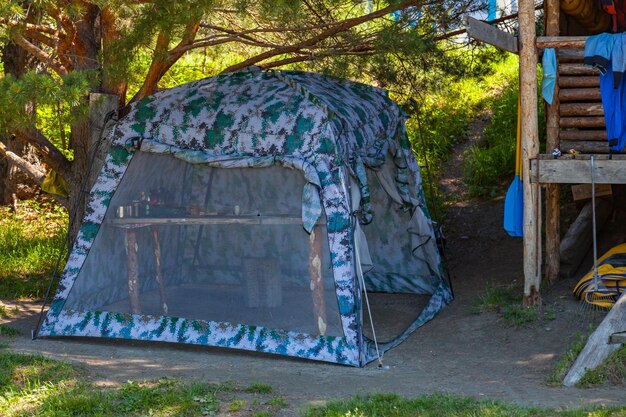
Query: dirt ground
(459, 352)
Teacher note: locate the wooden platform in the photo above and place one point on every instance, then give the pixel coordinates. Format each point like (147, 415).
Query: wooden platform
(609, 169)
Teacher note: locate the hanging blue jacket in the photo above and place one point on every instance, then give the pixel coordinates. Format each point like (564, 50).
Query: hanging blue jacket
(607, 52)
(598, 51)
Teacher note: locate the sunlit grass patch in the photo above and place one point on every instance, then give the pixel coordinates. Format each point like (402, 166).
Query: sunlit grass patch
(391, 405)
(30, 243)
(36, 386)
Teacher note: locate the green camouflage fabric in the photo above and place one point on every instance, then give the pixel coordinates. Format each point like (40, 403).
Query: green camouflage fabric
(331, 129)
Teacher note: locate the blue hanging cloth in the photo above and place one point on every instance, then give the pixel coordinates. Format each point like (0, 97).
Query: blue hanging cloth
(549, 75)
(491, 11)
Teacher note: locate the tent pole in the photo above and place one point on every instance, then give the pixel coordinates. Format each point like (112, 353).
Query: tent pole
(530, 147)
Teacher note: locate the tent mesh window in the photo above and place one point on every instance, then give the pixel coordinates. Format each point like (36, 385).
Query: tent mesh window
(225, 245)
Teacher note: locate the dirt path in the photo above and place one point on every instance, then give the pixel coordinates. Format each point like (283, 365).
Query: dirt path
(458, 352)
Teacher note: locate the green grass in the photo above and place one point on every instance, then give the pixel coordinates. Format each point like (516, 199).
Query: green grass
(518, 316)
(612, 371)
(504, 300)
(30, 241)
(258, 388)
(565, 362)
(9, 331)
(236, 405)
(279, 401)
(495, 297)
(35, 386)
(391, 405)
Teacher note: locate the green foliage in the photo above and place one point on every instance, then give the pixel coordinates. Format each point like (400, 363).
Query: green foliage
(491, 166)
(565, 362)
(612, 371)
(139, 34)
(449, 105)
(30, 241)
(438, 405)
(59, 101)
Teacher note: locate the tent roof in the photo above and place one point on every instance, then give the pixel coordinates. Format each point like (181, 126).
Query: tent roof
(254, 112)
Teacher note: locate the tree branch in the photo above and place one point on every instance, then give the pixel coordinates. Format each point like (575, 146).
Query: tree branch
(29, 26)
(38, 53)
(31, 170)
(312, 57)
(40, 37)
(163, 59)
(340, 27)
(66, 40)
(50, 154)
(157, 67)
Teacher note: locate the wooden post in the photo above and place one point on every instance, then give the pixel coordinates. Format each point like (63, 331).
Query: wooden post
(156, 246)
(133, 270)
(530, 148)
(100, 105)
(317, 280)
(553, 240)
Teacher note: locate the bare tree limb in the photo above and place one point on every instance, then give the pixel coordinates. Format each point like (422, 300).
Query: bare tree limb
(50, 154)
(40, 37)
(66, 40)
(314, 57)
(163, 60)
(341, 27)
(188, 37)
(38, 53)
(28, 26)
(34, 172)
(31, 170)
(157, 67)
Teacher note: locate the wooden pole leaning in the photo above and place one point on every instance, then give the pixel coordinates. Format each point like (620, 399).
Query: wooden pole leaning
(530, 149)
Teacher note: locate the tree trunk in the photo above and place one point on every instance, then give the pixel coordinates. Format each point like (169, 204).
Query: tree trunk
(12, 180)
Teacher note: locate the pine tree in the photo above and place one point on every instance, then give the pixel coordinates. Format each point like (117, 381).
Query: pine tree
(126, 47)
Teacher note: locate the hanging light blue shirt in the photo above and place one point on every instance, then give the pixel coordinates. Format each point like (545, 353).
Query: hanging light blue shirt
(548, 81)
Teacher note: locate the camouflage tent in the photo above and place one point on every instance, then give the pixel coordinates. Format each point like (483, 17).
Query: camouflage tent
(256, 210)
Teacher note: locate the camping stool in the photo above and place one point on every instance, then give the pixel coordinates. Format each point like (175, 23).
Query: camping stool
(263, 287)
